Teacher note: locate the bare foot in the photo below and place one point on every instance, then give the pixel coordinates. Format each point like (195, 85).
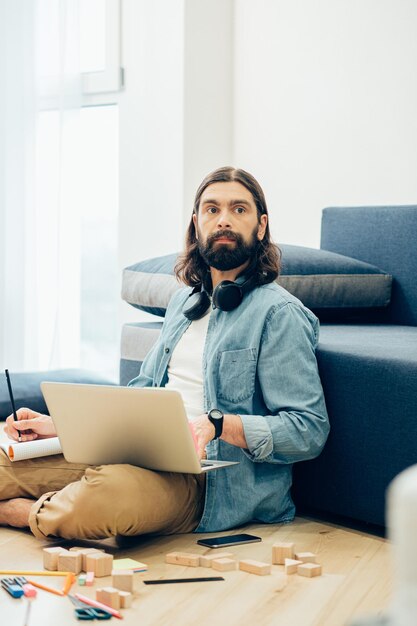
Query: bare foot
(15, 512)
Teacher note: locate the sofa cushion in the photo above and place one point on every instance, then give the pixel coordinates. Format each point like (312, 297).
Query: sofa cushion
(330, 284)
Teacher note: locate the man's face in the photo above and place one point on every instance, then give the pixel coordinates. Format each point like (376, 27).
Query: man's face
(227, 225)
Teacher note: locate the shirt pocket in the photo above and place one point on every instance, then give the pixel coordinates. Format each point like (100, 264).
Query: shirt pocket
(236, 374)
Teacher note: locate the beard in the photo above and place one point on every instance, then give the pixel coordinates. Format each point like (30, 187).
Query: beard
(224, 257)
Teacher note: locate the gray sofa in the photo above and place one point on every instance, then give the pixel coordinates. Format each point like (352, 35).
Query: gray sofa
(367, 353)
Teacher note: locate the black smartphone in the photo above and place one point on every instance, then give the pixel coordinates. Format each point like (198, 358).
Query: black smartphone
(228, 540)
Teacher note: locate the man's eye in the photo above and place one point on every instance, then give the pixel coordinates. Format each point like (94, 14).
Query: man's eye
(240, 209)
(212, 209)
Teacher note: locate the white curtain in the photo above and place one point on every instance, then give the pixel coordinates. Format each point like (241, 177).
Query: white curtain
(40, 99)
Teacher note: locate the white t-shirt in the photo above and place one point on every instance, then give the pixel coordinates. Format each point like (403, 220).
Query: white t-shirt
(185, 369)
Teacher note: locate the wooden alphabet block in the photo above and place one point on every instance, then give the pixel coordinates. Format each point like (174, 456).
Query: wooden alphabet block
(109, 596)
(123, 579)
(100, 563)
(290, 566)
(183, 558)
(224, 565)
(89, 579)
(69, 562)
(309, 570)
(125, 599)
(82, 579)
(255, 567)
(306, 557)
(50, 558)
(282, 551)
(206, 560)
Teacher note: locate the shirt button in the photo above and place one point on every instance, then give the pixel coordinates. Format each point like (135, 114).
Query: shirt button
(166, 350)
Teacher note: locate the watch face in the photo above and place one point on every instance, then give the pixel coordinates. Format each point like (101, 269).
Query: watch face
(216, 414)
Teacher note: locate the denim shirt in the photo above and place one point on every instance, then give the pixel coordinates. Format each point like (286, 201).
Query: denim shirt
(259, 362)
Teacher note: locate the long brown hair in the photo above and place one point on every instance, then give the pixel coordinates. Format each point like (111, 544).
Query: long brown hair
(265, 265)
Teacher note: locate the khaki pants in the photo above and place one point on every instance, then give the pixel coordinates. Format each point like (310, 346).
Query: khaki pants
(83, 502)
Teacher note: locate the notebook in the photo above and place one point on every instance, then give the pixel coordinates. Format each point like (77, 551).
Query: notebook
(147, 427)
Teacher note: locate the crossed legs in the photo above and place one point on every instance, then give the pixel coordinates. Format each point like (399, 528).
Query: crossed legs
(59, 499)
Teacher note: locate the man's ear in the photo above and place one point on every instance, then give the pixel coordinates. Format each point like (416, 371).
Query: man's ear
(195, 225)
(263, 222)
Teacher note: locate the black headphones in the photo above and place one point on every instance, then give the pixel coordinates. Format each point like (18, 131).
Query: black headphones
(226, 297)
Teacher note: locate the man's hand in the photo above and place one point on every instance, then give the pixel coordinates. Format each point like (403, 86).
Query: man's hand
(39, 426)
(204, 431)
(233, 432)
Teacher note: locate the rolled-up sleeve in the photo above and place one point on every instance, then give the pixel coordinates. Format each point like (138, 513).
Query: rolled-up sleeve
(296, 426)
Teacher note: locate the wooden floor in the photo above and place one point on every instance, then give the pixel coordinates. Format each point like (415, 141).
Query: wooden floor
(356, 581)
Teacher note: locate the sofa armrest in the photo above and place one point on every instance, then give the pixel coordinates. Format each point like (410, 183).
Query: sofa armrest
(27, 392)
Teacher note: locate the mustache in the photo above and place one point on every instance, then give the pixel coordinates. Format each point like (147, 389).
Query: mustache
(221, 234)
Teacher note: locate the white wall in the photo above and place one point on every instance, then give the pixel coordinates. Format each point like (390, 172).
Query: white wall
(325, 106)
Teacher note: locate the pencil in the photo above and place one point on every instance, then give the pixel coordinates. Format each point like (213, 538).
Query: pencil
(9, 384)
(98, 605)
(9, 572)
(57, 592)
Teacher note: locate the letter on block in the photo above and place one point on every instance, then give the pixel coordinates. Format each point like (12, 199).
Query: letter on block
(100, 563)
(306, 557)
(69, 562)
(309, 570)
(224, 565)
(125, 599)
(255, 567)
(123, 579)
(282, 551)
(206, 560)
(50, 558)
(290, 566)
(183, 558)
(109, 596)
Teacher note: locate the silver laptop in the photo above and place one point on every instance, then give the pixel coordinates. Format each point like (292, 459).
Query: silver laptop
(102, 425)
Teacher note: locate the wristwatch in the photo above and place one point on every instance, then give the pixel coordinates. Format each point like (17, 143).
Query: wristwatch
(216, 417)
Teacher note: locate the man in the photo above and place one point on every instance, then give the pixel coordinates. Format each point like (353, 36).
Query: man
(245, 365)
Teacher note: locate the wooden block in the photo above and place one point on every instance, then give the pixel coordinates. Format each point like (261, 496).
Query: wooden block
(123, 579)
(69, 562)
(282, 551)
(255, 567)
(84, 552)
(183, 558)
(290, 566)
(206, 560)
(50, 558)
(224, 565)
(89, 578)
(100, 563)
(306, 557)
(309, 570)
(77, 549)
(82, 579)
(109, 596)
(125, 599)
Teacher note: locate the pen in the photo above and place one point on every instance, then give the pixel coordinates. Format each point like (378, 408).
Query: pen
(167, 581)
(9, 384)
